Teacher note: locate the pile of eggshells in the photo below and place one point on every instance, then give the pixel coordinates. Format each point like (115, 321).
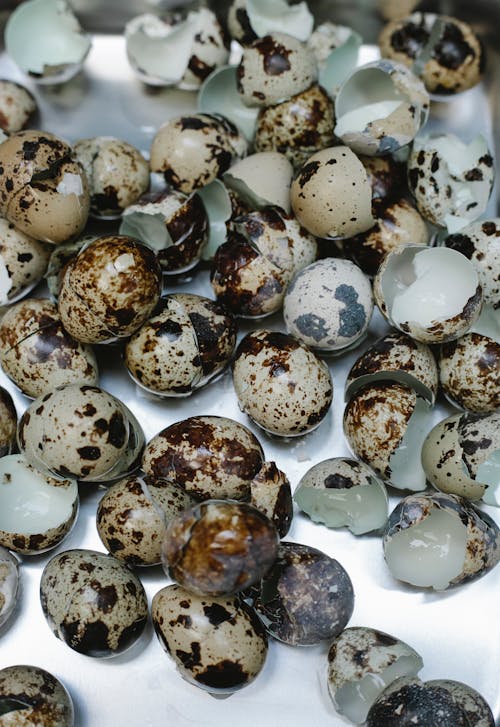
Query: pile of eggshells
(295, 149)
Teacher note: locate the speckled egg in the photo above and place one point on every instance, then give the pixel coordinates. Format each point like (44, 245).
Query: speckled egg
(9, 585)
(476, 709)
(34, 697)
(208, 51)
(218, 644)
(331, 194)
(92, 602)
(280, 383)
(329, 305)
(82, 433)
(23, 262)
(132, 516)
(208, 456)
(387, 178)
(274, 68)
(116, 171)
(238, 23)
(270, 492)
(306, 597)
(43, 191)
(109, 289)
(443, 51)
(219, 547)
(191, 151)
(17, 106)
(37, 354)
(8, 422)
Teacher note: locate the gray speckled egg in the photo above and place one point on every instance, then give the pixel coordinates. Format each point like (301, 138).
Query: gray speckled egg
(328, 305)
(92, 602)
(17, 106)
(208, 456)
(35, 698)
(270, 492)
(23, 262)
(8, 422)
(476, 708)
(217, 644)
(469, 372)
(9, 585)
(281, 384)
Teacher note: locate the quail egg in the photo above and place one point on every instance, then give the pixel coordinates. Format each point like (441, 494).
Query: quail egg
(249, 19)
(9, 585)
(92, 602)
(116, 171)
(261, 179)
(208, 456)
(270, 492)
(217, 644)
(8, 422)
(109, 289)
(82, 433)
(475, 707)
(37, 354)
(183, 347)
(439, 540)
(17, 106)
(280, 383)
(329, 305)
(387, 178)
(36, 511)
(33, 696)
(23, 262)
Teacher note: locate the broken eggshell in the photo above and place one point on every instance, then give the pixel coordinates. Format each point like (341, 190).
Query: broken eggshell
(439, 540)
(33, 696)
(380, 108)
(36, 511)
(8, 422)
(219, 94)
(342, 492)
(412, 293)
(23, 262)
(10, 583)
(250, 19)
(46, 40)
(362, 662)
(59, 257)
(17, 106)
(261, 179)
(270, 492)
(336, 49)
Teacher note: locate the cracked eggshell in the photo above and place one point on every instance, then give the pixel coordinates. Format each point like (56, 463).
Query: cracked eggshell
(261, 179)
(208, 456)
(439, 540)
(270, 492)
(8, 422)
(412, 293)
(217, 644)
(280, 383)
(46, 40)
(451, 180)
(331, 194)
(380, 108)
(10, 583)
(35, 697)
(92, 602)
(336, 49)
(328, 305)
(387, 177)
(17, 106)
(191, 151)
(274, 68)
(36, 511)
(362, 662)
(23, 262)
(250, 19)
(219, 94)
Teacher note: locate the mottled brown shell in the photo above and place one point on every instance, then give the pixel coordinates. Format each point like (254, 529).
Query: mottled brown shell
(35, 697)
(17, 106)
(270, 492)
(24, 258)
(8, 422)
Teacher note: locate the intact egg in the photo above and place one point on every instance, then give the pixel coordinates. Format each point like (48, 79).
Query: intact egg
(23, 262)
(8, 422)
(17, 106)
(34, 696)
(9, 585)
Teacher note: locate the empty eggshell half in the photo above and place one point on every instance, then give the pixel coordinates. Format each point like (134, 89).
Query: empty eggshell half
(261, 179)
(415, 296)
(23, 261)
(9, 584)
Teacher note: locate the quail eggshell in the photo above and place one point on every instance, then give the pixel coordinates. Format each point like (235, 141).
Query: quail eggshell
(191, 151)
(9, 585)
(476, 708)
(92, 602)
(208, 456)
(219, 94)
(362, 662)
(261, 179)
(8, 422)
(209, 50)
(238, 23)
(217, 644)
(336, 49)
(329, 305)
(36, 511)
(280, 383)
(270, 492)
(331, 194)
(23, 262)
(387, 177)
(17, 106)
(34, 697)
(60, 256)
(274, 68)
(219, 547)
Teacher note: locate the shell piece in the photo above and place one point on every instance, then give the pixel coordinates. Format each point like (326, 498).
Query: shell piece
(387, 178)
(218, 644)
(208, 456)
(336, 49)
(219, 209)
(219, 94)
(9, 586)
(57, 47)
(34, 697)
(59, 257)
(23, 262)
(324, 203)
(413, 295)
(306, 597)
(280, 383)
(343, 492)
(219, 547)
(439, 540)
(92, 602)
(395, 357)
(270, 492)
(17, 106)
(262, 179)
(362, 662)
(248, 19)
(8, 422)
(450, 180)
(36, 511)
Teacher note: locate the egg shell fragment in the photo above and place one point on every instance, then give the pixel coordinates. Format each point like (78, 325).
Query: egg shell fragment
(8, 422)
(261, 179)
(270, 492)
(217, 644)
(17, 106)
(33, 696)
(10, 582)
(23, 262)
(336, 49)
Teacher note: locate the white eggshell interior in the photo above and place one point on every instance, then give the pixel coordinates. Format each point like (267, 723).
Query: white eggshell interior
(149, 228)
(267, 16)
(358, 119)
(398, 377)
(489, 473)
(429, 554)
(407, 472)
(219, 95)
(218, 207)
(361, 509)
(340, 62)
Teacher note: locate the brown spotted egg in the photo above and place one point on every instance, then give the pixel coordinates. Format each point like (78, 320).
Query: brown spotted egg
(191, 151)
(8, 422)
(217, 644)
(387, 178)
(92, 602)
(183, 347)
(37, 354)
(208, 456)
(270, 492)
(329, 305)
(9, 585)
(109, 289)
(34, 697)
(23, 262)
(17, 106)
(281, 384)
